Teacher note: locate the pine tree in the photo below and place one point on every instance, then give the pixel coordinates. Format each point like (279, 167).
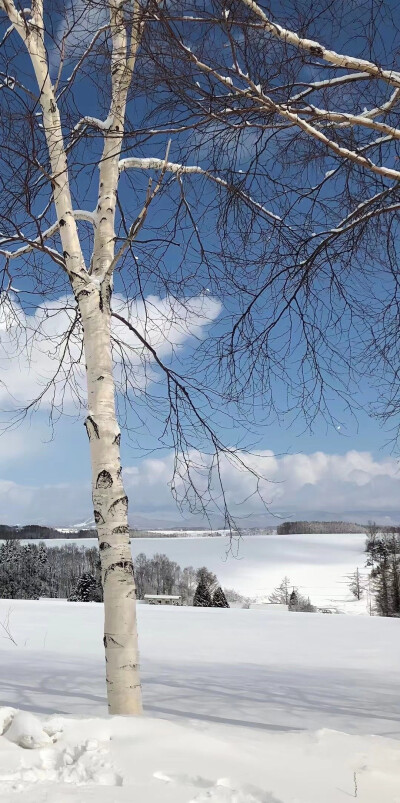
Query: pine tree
(299, 603)
(219, 599)
(24, 571)
(202, 596)
(209, 579)
(87, 589)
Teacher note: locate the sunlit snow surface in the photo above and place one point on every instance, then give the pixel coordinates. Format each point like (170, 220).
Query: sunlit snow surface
(253, 707)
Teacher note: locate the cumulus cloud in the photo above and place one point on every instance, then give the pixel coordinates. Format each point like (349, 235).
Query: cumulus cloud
(353, 486)
(32, 345)
(349, 486)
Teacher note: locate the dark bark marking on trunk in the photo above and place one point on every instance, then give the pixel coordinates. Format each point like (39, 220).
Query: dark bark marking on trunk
(121, 529)
(82, 293)
(123, 500)
(90, 420)
(99, 378)
(98, 519)
(125, 565)
(117, 439)
(109, 641)
(104, 545)
(104, 479)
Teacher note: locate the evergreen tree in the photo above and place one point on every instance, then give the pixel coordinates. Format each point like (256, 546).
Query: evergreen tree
(202, 596)
(384, 558)
(299, 603)
(24, 571)
(209, 579)
(10, 560)
(87, 589)
(219, 599)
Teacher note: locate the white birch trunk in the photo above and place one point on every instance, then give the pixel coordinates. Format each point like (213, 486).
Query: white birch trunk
(110, 505)
(92, 293)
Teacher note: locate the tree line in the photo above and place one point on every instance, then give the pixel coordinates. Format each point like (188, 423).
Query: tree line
(30, 571)
(383, 556)
(318, 527)
(38, 531)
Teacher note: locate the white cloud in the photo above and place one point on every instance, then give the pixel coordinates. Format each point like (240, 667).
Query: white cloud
(353, 487)
(73, 31)
(31, 345)
(60, 504)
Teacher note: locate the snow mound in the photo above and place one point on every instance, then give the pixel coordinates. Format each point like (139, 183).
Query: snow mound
(25, 730)
(81, 763)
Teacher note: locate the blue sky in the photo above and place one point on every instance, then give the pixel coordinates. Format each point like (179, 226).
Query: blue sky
(348, 472)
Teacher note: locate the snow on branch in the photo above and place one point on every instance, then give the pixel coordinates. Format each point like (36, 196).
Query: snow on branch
(157, 164)
(345, 119)
(37, 242)
(346, 153)
(94, 122)
(320, 51)
(327, 83)
(180, 169)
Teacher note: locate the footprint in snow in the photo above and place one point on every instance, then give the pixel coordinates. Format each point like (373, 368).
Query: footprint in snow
(223, 791)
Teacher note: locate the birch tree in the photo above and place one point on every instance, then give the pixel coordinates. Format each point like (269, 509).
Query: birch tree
(92, 290)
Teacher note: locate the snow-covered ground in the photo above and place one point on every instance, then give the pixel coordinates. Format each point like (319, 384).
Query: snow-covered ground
(317, 564)
(255, 707)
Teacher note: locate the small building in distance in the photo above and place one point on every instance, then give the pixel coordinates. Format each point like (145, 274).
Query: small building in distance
(163, 599)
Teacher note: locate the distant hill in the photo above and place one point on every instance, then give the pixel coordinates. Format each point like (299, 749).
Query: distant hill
(38, 531)
(310, 527)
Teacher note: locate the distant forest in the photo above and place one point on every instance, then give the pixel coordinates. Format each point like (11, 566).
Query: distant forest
(309, 527)
(38, 531)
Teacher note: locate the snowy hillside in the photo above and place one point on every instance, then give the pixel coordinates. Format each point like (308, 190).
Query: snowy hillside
(317, 564)
(253, 565)
(256, 707)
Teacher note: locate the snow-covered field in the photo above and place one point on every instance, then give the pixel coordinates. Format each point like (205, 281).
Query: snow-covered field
(255, 707)
(317, 564)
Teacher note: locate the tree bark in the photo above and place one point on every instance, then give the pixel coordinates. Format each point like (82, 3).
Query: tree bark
(110, 505)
